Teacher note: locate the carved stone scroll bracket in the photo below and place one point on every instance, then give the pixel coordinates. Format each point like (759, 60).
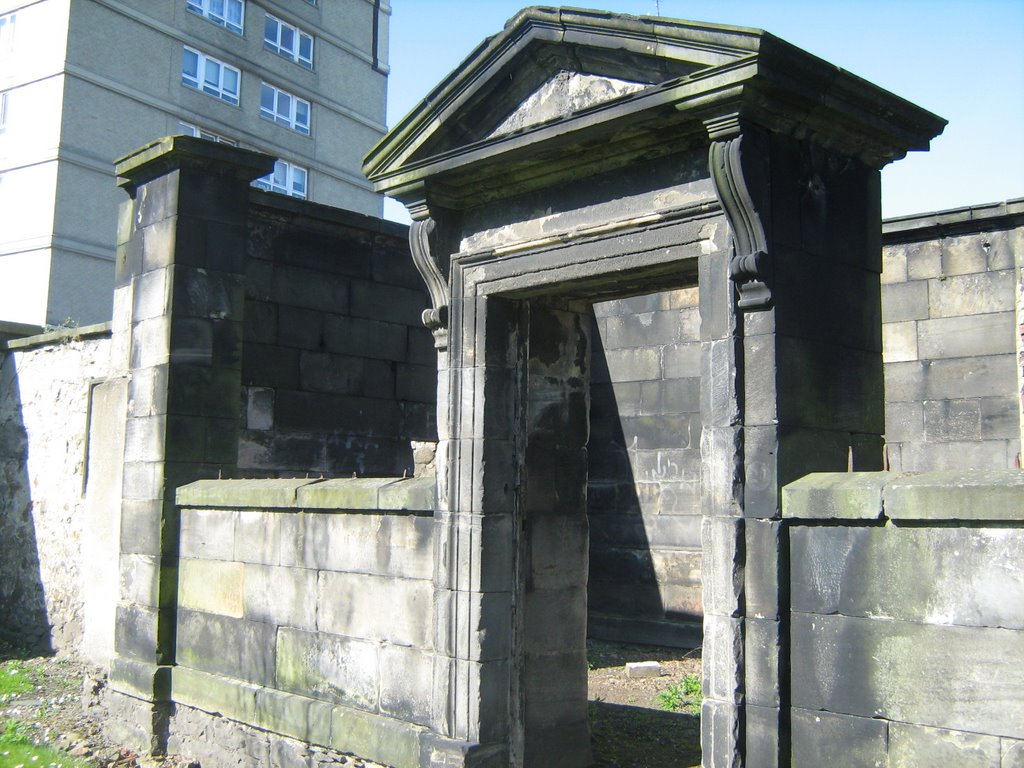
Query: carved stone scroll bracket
(427, 261)
(750, 265)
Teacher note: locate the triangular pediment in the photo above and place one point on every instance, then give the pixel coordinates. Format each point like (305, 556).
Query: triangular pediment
(565, 94)
(551, 64)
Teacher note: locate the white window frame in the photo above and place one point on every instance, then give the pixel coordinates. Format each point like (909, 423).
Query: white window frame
(274, 41)
(7, 34)
(286, 179)
(218, 11)
(201, 133)
(201, 81)
(285, 108)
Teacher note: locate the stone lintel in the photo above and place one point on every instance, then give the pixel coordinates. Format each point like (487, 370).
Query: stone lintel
(170, 153)
(835, 495)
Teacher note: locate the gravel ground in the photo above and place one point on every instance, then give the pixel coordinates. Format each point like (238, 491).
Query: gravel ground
(630, 729)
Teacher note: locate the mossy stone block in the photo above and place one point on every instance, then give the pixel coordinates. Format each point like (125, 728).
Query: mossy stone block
(374, 737)
(345, 493)
(214, 693)
(975, 494)
(417, 494)
(227, 494)
(296, 716)
(213, 586)
(835, 495)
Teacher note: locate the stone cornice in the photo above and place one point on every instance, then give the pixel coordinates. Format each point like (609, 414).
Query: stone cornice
(708, 73)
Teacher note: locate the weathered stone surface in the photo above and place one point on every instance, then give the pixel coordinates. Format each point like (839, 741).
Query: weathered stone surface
(966, 336)
(972, 294)
(328, 667)
(383, 739)
(930, 575)
(279, 596)
(236, 648)
(912, 745)
(406, 683)
(212, 586)
(214, 494)
(901, 671)
(216, 693)
(375, 608)
(822, 738)
(956, 495)
(850, 495)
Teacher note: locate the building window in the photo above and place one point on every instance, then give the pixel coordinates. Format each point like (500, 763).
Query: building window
(3, 111)
(227, 13)
(281, 107)
(209, 75)
(288, 41)
(6, 35)
(286, 179)
(194, 130)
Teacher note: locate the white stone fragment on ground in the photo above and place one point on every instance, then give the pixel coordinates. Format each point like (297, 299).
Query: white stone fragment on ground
(643, 669)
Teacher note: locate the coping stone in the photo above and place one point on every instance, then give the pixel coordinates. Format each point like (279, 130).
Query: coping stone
(370, 493)
(831, 495)
(995, 494)
(219, 494)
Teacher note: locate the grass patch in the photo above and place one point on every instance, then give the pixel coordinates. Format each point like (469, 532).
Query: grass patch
(15, 678)
(19, 749)
(683, 696)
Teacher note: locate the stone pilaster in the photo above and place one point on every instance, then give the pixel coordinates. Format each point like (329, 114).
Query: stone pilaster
(178, 334)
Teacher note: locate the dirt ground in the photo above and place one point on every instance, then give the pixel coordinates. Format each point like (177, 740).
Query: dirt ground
(630, 728)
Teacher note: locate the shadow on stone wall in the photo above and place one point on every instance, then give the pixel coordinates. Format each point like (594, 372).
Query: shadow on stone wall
(24, 623)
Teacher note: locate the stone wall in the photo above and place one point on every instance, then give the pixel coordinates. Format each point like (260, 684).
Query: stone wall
(643, 494)
(907, 619)
(338, 370)
(46, 388)
(949, 307)
(305, 609)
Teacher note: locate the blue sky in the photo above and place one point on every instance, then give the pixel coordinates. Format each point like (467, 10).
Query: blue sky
(962, 59)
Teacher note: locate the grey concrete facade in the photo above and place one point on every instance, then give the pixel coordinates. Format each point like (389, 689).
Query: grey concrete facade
(77, 98)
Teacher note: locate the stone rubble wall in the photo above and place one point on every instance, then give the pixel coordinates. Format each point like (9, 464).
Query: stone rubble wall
(907, 618)
(45, 389)
(305, 609)
(950, 283)
(339, 373)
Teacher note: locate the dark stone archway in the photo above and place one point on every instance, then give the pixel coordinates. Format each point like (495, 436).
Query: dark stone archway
(579, 156)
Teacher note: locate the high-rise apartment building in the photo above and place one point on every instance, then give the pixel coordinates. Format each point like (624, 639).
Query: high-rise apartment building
(83, 82)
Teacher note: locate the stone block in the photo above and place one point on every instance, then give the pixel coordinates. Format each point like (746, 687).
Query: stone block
(904, 421)
(300, 328)
(374, 737)
(140, 679)
(139, 579)
(894, 264)
(554, 620)
(141, 526)
(324, 666)
(268, 365)
(955, 495)
(415, 493)
(633, 364)
(343, 493)
(964, 254)
(766, 737)
(279, 596)
(822, 738)
(306, 288)
(973, 335)
(406, 683)
(681, 360)
(924, 259)
(973, 294)
(911, 746)
(215, 693)
(556, 550)
(643, 669)
(207, 533)
(832, 495)
(375, 608)
(1012, 753)
(722, 659)
(899, 341)
(394, 304)
(1000, 417)
(237, 648)
(322, 372)
(228, 494)
(766, 586)
(680, 395)
(931, 575)
(135, 636)
(324, 412)
(300, 717)
(905, 301)
(952, 420)
(721, 733)
(900, 670)
(260, 323)
(212, 586)
(258, 537)
(259, 408)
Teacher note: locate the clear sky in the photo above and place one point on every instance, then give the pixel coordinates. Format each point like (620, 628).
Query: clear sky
(961, 59)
